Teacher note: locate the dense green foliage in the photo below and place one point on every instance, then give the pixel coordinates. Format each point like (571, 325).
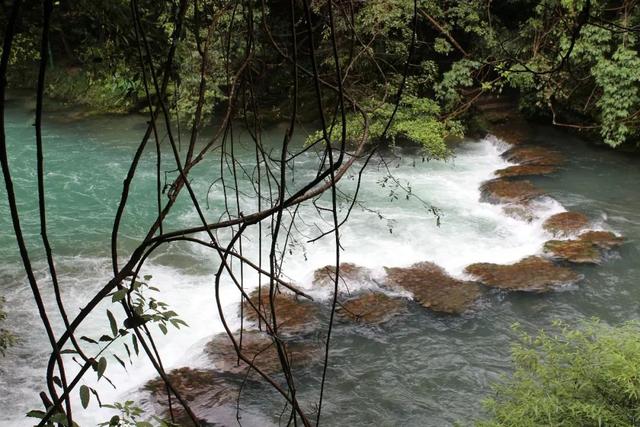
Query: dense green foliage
(572, 61)
(584, 377)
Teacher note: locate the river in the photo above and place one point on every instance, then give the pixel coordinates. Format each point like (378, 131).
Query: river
(418, 369)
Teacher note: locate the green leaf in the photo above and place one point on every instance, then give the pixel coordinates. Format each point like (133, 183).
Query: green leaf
(163, 328)
(89, 340)
(134, 340)
(84, 396)
(36, 414)
(113, 323)
(119, 295)
(121, 362)
(102, 366)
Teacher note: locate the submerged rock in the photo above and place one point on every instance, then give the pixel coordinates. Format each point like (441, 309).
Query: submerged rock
(521, 212)
(371, 307)
(533, 155)
(294, 315)
(576, 251)
(350, 275)
(506, 191)
(587, 248)
(566, 223)
(535, 274)
(260, 349)
(525, 170)
(433, 288)
(204, 390)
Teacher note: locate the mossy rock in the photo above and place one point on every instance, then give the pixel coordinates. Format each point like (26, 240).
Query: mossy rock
(433, 288)
(531, 274)
(371, 308)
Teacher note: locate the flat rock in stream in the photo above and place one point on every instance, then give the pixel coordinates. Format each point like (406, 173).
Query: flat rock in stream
(433, 288)
(205, 391)
(533, 155)
(259, 348)
(294, 315)
(525, 170)
(350, 276)
(506, 191)
(576, 251)
(532, 274)
(588, 248)
(602, 239)
(372, 308)
(566, 223)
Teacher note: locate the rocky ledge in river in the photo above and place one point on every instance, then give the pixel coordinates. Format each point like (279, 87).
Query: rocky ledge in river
(433, 288)
(372, 308)
(204, 390)
(566, 224)
(506, 191)
(350, 276)
(294, 315)
(525, 170)
(588, 248)
(259, 348)
(532, 155)
(533, 274)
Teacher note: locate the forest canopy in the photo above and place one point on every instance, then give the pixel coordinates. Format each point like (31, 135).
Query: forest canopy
(573, 63)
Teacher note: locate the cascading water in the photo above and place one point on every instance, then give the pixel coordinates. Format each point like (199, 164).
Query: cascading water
(423, 369)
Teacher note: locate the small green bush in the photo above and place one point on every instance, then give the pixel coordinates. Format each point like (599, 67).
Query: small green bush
(584, 377)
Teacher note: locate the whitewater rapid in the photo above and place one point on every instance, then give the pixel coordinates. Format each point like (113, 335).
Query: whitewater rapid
(385, 232)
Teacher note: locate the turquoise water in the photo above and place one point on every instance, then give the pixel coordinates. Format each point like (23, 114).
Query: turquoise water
(420, 369)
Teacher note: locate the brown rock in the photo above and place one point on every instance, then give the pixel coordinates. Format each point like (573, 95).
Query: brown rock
(602, 239)
(533, 274)
(433, 288)
(532, 155)
(372, 307)
(566, 223)
(513, 132)
(294, 315)
(507, 191)
(204, 390)
(350, 274)
(260, 349)
(576, 251)
(525, 170)
(587, 248)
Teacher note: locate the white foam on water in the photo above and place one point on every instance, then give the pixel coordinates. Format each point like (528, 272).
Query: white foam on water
(470, 231)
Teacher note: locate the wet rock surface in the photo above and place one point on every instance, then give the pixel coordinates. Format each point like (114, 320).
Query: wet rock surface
(259, 348)
(533, 274)
(602, 239)
(294, 315)
(532, 156)
(506, 191)
(433, 288)
(515, 132)
(372, 308)
(525, 170)
(589, 247)
(566, 223)
(350, 275)
(204, 390)
(576, 251)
